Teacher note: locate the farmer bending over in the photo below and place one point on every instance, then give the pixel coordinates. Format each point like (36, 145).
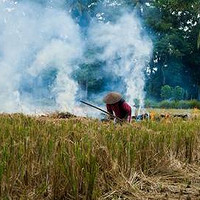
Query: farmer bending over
(115, 103)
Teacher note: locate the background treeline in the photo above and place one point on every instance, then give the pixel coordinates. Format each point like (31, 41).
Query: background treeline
(174, 28)
(175, 66)
(173, 25)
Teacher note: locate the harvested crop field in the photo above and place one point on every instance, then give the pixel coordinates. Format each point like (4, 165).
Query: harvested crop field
(56, 157)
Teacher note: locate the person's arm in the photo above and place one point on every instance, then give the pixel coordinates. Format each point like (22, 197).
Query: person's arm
(127, 108)
(109, 109)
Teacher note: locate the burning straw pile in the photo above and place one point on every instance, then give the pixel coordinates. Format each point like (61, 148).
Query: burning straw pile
(85, 159)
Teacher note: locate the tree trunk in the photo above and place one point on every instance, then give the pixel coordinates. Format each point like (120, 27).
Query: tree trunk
(198, 92)
(163, 74)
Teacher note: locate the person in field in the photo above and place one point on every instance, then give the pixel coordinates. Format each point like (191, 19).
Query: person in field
(117, 105)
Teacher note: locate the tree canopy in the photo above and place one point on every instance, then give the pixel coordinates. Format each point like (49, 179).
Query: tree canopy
(174, 27)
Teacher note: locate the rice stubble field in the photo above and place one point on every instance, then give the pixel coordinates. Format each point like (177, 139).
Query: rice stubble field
(46, 157)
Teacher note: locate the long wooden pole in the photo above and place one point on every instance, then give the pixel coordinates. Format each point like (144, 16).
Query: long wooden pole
(102, 110)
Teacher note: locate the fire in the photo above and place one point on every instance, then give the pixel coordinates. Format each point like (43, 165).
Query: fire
(196, 110)
(152, 115)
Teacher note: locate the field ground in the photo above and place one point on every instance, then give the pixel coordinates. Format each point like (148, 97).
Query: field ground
(79, 158)
(190, 112)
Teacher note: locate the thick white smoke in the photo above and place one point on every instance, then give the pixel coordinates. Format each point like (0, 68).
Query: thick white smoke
(34, 39)
(43, 39)
(126, 50)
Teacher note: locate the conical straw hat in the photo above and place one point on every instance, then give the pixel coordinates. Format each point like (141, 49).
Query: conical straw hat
(112, 98)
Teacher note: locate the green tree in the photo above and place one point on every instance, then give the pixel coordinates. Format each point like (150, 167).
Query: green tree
(178, 93)
(166, 92)
(90, 77)
(175, 26)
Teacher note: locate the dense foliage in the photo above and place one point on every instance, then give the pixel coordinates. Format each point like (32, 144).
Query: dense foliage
(174, 28)
(176, 58)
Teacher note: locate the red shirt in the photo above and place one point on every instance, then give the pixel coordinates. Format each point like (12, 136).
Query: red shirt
(121, 110)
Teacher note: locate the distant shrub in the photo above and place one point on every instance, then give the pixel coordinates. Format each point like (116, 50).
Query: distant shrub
(167, 104)
(194, 104)
(150, 103)
(183, 104)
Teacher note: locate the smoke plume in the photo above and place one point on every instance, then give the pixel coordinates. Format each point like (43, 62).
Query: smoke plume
(35, 40)
(126, 50)
(41, 46)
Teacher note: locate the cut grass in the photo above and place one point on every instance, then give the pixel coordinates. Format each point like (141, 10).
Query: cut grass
(76, 158)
